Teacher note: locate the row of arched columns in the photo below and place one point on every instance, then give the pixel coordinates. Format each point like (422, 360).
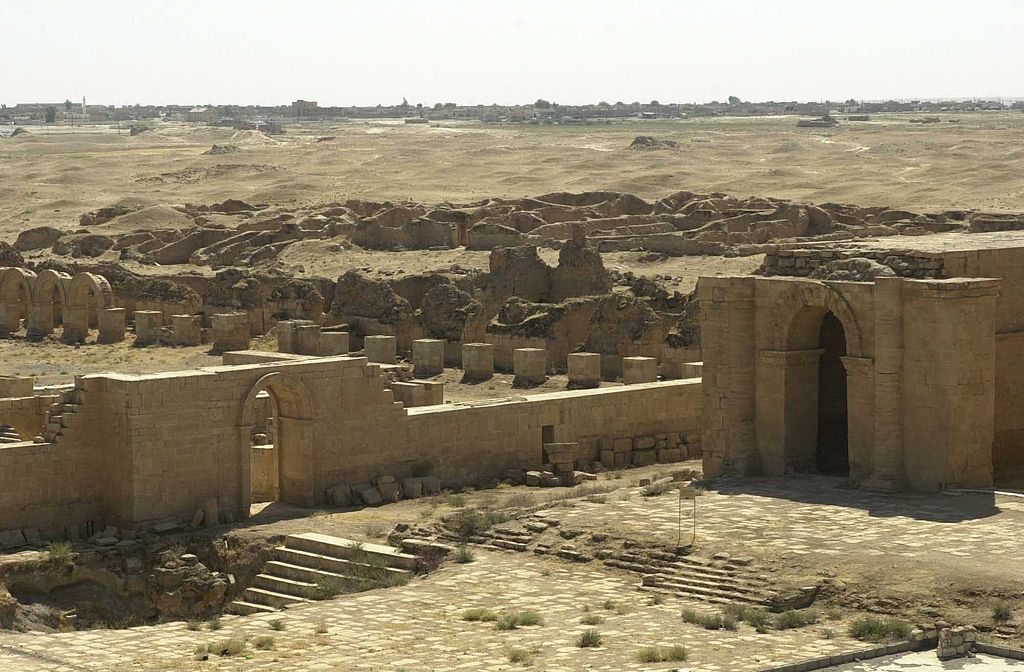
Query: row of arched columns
(50, 297)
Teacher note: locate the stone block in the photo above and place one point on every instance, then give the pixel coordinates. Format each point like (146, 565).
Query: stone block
(211, 512)
(669, 455)
(148, 326)
(433, 392)
(623, 460)
(549, 480)
(410, 394)
(623, 445)
(112, 325)
(431, 485)
(477, 361)
(644, 458)
(11, 539)
(533, 478)
(186, 329)
(529, 366)
(560, 452)
(380, 349)
(306, 339)
(390, 492)
(584, 369)
(285, 330)
(428, 356)
(16, 386)
(412, 488)
(333, 343)
(561, 468)
(581, 476)
(636, 370)
(367, 494)
(340, 495)
(608, 459)
(231, 331)
(643, 443)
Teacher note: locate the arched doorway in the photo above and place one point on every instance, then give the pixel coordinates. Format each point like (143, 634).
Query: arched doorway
(278, 411)
(809, 428)
(832, 450)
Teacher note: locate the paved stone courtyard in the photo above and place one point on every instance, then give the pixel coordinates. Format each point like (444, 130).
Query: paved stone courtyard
(818, 518)
(925, 661)
(419, 627)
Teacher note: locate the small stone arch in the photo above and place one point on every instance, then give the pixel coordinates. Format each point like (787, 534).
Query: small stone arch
(15, 297)
(293, 441)
(79, 312)
(800, 312)
(49, 293)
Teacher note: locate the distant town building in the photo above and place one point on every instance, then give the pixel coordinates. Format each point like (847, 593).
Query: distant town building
(305, 108)
(200, 114)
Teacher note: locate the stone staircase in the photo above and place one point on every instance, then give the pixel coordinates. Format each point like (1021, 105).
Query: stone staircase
(717, 579)
(9, 435)
(708, 579)
(312, 566)
(62, 414)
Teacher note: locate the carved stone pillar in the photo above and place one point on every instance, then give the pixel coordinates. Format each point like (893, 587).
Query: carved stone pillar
(860, 405)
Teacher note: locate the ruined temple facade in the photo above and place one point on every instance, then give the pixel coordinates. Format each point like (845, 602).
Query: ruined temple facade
(897, 383)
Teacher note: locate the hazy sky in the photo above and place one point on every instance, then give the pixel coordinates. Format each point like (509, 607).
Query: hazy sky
(377, 51)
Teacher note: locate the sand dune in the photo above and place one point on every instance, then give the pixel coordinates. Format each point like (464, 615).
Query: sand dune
(977, 163)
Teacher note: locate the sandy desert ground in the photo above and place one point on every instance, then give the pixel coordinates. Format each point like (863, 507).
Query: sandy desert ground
(968, 161)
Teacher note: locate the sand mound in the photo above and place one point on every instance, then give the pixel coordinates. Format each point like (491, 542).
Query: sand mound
(153, 217)
(217, 150)
(648, 143)
(257, 138)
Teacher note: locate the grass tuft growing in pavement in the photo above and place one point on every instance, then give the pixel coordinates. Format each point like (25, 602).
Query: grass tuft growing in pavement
(879, 629)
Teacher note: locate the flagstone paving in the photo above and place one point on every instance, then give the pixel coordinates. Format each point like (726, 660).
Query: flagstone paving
(419, 627)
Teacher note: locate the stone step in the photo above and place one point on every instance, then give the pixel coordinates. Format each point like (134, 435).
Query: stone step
(326, 563)
(680, 563)
(509, 545)
(243, 608)
(299, 573)
(683, 589)
(285, 586)
(695, 581)
(337, 547)
(270, 598)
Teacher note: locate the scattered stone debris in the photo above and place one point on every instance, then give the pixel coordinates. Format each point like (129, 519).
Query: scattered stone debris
(649, 143)
(218, 150)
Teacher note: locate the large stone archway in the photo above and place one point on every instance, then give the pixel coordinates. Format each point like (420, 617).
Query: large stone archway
(15, 298)
(49, 297)
(87, 294)
(294, 439)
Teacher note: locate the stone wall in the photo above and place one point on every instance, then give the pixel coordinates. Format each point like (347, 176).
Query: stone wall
(27, 415)
(803, 262)
(131, 453)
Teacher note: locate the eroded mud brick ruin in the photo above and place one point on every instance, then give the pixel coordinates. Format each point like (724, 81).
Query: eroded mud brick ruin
(894, 364)
(880, 346)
